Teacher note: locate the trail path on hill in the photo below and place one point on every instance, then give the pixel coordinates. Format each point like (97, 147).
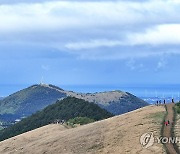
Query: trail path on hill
(167, 129)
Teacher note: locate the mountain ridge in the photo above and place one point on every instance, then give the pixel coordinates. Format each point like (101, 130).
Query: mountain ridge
(36, 97)
(109, 100)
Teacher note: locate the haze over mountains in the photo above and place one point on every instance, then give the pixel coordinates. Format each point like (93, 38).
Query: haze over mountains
(37, 97)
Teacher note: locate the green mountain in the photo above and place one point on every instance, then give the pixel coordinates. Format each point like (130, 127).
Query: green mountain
(68, 108)
(28, 101)
(35, 98)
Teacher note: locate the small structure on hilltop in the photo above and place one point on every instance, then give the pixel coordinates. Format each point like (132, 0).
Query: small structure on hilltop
(42, 83)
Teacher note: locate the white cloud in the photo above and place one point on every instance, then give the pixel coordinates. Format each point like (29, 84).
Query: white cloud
(93, 44)
(158, 39)
(84, 28)
(68, 14)
(158, 35)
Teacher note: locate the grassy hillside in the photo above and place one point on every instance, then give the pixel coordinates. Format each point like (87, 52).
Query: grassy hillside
(125, 104)
(28, 101)
(65, 109)
(116, 135)
(116, 102)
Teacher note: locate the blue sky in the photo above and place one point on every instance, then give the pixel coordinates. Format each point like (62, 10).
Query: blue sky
(89, 42)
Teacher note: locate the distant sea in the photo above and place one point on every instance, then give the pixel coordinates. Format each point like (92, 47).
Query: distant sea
(150, 93)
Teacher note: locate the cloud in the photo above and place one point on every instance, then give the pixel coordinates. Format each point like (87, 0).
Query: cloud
(94, 29)
(93, 44)
(154, 41)
(77, 14)
(165, 34)
(22, 1)
(158, 35)
(133, 65)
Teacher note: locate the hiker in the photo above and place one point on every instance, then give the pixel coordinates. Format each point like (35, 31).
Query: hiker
(164, 101)
(166, 123)
(62, 122)
(157, 103)
(160, 102)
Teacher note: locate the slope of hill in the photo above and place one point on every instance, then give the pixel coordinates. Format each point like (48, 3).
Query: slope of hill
(28, 101)
(116, 102)
(115, 135)
(65, 109)
(37, 97)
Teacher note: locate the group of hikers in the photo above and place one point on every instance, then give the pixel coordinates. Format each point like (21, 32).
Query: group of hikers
(58, 121)
(167, 123)
(158, 103)
(164, 102)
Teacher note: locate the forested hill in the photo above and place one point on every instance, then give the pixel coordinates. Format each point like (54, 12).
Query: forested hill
(65, 109)
(29, 100)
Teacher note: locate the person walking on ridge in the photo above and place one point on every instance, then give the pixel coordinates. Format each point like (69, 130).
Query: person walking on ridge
(168, 122)
(160, 102)
(157, 103)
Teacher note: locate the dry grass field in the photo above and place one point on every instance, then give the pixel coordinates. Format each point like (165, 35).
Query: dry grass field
(117, 135)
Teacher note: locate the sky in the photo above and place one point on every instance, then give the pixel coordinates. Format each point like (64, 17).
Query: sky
(120, 42)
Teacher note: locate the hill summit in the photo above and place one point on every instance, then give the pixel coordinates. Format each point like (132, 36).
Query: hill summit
(35, 98)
